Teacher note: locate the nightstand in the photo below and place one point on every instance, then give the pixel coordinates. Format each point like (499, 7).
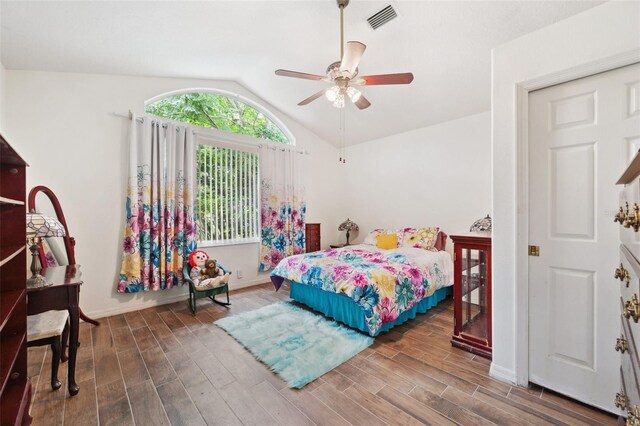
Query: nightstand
(337, 245)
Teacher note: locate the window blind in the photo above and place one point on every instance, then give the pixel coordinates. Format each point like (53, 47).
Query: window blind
(227, 207)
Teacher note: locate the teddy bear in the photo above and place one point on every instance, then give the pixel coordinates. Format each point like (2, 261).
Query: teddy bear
(211, 269)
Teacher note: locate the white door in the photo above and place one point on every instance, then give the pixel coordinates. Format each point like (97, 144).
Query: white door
(581, 134)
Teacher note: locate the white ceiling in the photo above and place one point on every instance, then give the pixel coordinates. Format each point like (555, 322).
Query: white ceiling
(446, 45)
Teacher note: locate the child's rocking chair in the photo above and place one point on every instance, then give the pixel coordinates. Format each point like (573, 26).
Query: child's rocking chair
(198, 292)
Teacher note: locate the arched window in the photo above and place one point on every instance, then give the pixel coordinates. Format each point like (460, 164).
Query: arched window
(219, 110)
(227, 200)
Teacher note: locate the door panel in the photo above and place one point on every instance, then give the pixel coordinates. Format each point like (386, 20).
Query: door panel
(571, 300)
(577, 110)
(581, 136)
(572, 187)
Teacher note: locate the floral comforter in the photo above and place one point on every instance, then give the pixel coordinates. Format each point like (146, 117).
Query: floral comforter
(384, 283)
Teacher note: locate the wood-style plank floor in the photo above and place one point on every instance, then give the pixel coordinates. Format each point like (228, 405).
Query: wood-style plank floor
(164, 366)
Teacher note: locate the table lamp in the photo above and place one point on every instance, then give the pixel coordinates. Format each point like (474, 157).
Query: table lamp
(39, 226)
(481, 225)
(348, 226)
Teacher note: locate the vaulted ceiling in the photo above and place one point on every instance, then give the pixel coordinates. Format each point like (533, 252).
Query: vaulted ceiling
(446, 44)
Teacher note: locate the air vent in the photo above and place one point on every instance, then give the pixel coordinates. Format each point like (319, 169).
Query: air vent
(379, 19)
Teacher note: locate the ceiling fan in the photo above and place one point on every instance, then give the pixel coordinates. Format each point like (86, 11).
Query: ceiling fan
(344, 74)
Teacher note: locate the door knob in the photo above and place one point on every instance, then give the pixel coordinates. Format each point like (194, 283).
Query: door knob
(622, 345)
(632, 308)
(622, 274)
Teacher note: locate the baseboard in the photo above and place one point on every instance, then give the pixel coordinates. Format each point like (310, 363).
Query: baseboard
(503, 374)
(181, 296)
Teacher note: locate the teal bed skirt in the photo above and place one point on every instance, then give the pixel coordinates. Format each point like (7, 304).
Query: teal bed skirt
(345, 310)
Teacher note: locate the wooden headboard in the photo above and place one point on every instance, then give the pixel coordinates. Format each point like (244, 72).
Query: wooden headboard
(441, 241)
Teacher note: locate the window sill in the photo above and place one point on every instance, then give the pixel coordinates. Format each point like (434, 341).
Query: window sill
(205, 244)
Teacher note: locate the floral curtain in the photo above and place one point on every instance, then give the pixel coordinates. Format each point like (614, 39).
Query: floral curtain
(282, 205)
(159, 232)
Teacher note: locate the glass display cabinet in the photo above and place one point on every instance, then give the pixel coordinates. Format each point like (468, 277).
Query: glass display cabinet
(472, 293)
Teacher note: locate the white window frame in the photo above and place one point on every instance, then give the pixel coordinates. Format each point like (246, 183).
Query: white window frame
(230, 135)
(253, 148)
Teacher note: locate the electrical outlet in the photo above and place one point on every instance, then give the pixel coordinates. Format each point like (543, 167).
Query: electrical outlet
(239, 273)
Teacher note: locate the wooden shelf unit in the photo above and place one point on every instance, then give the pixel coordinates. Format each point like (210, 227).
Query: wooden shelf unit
(15, 386)
(312, 234)
(472, 293)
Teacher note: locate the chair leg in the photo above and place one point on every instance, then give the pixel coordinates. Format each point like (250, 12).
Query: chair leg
(192, 302)
(55, 362)
(65, 343)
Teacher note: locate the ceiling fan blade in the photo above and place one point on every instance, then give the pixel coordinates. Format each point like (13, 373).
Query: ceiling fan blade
(312, 98)
(380, 79)
(362, 102)
(352, 54)
(296, 74)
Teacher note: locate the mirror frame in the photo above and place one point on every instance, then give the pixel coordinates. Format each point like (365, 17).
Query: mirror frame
(69, 242)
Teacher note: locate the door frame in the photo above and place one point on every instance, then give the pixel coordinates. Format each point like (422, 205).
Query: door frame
(522, 190)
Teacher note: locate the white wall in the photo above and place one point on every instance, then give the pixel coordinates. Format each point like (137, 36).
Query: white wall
(608, 31)
(62, 123)
(433, 176)
(2, 78)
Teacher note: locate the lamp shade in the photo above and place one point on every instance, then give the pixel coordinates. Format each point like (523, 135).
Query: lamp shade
(348, 225)
(39, 225)
(481, 225)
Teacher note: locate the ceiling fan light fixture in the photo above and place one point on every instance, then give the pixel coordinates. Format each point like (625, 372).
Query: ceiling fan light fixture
(354, 94)
(339, 101)
(332, 93)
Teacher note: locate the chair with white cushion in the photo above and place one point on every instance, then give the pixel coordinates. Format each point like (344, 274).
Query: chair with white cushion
(50, 328)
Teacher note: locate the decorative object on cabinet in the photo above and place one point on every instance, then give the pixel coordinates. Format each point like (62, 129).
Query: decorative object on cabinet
(62, 294)
(628, 274)
(621, 400)
(632, 308)
(481, 225)
(348, 226)
(622, 344)
(15, 386)
(312, 233)
(623, 275)
(50, 328)
(472, 293)
(40, 226)
(68, 240)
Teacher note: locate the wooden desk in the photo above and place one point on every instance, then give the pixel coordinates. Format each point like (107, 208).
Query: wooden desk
(62, 295)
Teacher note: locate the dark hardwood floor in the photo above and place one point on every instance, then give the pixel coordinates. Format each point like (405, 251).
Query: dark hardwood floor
(164, 366)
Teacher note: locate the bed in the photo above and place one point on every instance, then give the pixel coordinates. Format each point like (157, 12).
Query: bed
(369, 288)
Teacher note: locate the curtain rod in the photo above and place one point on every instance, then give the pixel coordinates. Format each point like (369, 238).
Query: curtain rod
(129, 115)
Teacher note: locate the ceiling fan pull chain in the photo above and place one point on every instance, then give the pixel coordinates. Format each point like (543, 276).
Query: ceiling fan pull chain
(341, 31)
(341, 129)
